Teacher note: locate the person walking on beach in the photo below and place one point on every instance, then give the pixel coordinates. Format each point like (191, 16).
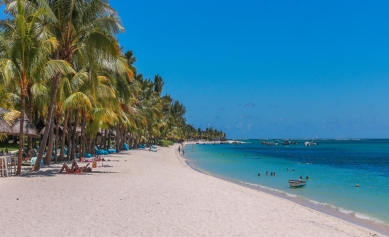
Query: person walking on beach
(183, 152)
(179, 148)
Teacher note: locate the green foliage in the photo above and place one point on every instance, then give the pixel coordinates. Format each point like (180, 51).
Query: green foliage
(10, 147)
(166, 143)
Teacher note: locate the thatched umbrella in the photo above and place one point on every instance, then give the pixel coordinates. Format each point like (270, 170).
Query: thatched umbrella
(4, 127)
(3, 111)
(55, 130)
(28, 129)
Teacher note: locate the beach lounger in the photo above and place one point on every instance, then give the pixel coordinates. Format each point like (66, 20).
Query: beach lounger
(111, 151)
(153, 148)
(33, 161)
(100, 151)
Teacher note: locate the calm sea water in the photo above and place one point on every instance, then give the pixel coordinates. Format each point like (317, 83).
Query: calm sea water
(334, 167)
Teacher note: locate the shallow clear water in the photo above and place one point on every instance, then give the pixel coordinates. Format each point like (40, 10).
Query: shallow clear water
(334, 167)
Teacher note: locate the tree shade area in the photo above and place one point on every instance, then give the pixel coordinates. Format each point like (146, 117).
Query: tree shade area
(63, 70)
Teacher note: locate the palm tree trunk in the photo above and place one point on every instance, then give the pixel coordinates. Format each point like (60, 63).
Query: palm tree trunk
(131, 141)
(117, 138)
(108, 138)
(56, 144)
(92, 147)
(54, 88)
(74, 136)
(83, 136)
(105, 139)
(50, 145)
(30, 117)
(69, 138)
(65, 128)
(21, 132)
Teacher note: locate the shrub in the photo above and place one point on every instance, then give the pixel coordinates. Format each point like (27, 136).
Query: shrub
(165, 143)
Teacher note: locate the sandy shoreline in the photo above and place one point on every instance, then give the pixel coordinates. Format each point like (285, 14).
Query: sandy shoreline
(145, 193)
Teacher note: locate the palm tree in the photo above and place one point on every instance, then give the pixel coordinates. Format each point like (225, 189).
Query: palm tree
(27, 45)
(84, 31)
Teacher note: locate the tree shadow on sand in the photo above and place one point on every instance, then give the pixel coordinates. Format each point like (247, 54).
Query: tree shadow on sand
(54, 171)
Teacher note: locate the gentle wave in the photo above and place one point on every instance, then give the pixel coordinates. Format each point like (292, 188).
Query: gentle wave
(270, 189)
(333, 207)
(318, 203)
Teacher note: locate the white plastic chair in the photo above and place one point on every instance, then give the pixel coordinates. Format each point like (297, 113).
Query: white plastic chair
(12, 162)
(4, 166)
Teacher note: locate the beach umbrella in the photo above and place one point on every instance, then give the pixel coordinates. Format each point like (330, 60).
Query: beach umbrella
(4, 127)
(28, 129)
(55, 127)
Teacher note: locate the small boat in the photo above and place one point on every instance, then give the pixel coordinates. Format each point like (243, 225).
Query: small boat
(297, 183)
(286, 142)
(310, 144)
(271, 144)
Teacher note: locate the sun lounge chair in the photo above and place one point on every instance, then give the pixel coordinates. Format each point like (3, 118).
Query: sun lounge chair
(153, 148)
(33, 161)
(100, 151)
(111, 151)
(125, 147)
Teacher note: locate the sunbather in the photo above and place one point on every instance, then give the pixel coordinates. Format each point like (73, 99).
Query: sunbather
(75, 168)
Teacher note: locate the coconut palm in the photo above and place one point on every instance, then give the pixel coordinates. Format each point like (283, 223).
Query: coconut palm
(27, 45)
(84, 31)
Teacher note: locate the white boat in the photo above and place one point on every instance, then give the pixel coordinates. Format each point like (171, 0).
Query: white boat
(271, 143)
(310, 144)
(297, 183)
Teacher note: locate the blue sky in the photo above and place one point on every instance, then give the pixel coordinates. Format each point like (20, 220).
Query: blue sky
(268, 69)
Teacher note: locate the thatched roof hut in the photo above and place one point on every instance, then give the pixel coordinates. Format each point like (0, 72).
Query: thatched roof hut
(29, 128)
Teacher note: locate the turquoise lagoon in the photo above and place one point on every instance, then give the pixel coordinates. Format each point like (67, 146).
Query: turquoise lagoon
(334, 168)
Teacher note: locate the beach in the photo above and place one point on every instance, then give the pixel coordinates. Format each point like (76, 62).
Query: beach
(144, 193)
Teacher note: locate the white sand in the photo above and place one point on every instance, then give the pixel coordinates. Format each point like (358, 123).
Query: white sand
(152, 194)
